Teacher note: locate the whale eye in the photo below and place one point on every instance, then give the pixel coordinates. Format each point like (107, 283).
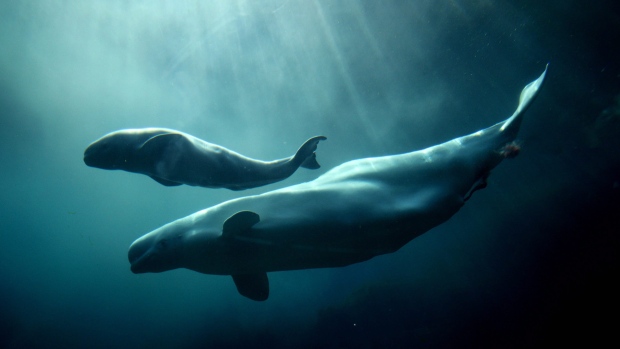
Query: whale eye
(162, 243)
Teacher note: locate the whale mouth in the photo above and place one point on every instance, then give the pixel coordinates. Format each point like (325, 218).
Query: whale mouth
(137, 266)
(92, 159)
(99, 156)
(139, 255)
(88, 157)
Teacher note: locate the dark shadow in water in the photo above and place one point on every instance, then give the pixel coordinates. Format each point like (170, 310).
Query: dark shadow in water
(562, 292)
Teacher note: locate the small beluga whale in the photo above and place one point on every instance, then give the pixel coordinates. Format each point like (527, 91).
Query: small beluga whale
(174, 158)
(354, 212)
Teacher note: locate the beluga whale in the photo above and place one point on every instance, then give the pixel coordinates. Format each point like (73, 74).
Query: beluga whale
(354, 212)
(175, 158)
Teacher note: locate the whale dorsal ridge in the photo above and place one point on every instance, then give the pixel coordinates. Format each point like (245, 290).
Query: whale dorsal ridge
(156, 143)
(240, 223)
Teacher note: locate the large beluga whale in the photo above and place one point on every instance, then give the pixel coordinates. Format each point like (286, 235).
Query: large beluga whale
(358, 210)
(174, 158)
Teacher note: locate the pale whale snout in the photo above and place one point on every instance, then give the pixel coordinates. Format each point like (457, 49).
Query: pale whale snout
(139, 255)
(156, 252)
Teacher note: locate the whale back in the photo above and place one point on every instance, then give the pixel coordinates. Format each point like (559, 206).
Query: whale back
(419, 189)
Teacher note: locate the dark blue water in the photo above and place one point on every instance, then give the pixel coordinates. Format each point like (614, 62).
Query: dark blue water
(530, 261)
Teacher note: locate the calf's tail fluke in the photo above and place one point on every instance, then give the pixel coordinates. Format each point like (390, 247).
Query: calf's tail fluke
(306, 155)
(511, 126)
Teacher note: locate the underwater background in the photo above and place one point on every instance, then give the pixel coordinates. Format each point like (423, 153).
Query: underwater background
(530, 261)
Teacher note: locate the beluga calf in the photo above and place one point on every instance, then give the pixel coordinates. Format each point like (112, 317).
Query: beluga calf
(174, 158)
(358, 210)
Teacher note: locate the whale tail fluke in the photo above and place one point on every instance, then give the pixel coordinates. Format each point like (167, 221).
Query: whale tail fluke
(310, 162)
(511, 126)
(306, 155)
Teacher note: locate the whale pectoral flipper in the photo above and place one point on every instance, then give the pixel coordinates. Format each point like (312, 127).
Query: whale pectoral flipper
(239, 223)
(481, 183)
(165, 182)
(252, 286)
(306, 154)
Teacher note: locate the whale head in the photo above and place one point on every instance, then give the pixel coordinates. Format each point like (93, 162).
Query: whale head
(109, 151)
(159, 250)
(117, 150)
(199, 242)
(178, 244)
